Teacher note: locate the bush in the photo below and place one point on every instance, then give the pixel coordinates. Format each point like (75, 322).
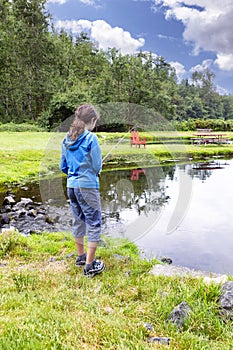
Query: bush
(11, 127)
(214, 124)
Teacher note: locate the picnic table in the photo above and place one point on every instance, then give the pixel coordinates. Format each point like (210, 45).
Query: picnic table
(207, 136)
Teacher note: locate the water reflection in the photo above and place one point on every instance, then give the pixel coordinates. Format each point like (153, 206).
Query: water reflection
(141, 189)
(129, 195)
(203, 240)
(204, 170)
(135, 173)
(140, 203)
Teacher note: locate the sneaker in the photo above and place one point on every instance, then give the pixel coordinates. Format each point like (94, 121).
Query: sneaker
(81, 260)
(94, 268)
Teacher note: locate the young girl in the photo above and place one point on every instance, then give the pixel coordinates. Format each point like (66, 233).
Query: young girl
(81, 160)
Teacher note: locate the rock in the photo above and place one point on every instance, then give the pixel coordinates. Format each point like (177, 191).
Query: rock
(53, 259)
(102, 243)
(172, 270)
(166, 260)
(22, 212)
(159, 340)
(30, 217)
(7, 208)
(26, 201)
(48, 219)
(18, 206)
(108, 310)
(50, 201)
(40, 217)
(4, 219)
(3, 264)
(8, 200)
(216, 280)
(32, 212)
(226, 300)
(121, 257)
(41, 211)
(70, 255)
(23, 203)
(148, 326)
(179, 314)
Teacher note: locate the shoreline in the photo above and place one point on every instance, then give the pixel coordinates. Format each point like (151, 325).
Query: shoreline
(182, 271)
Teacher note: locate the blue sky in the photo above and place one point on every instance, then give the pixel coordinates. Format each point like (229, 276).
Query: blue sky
(191, 35)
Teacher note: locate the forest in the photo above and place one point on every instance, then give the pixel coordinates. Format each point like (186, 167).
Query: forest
(46, 73)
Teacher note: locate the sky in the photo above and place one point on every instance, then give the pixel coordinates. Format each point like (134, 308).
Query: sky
(191, 35)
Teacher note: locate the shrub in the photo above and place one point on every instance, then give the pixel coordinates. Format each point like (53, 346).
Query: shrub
(11, 127)
(193, 124)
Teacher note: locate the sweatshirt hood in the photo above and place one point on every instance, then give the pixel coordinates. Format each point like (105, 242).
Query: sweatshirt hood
(74, 145)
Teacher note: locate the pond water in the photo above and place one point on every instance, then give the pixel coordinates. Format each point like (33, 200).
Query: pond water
(184, 214)
(180, 211)
(203, 239)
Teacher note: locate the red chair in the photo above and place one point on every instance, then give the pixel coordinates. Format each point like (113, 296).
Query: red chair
(136, 140)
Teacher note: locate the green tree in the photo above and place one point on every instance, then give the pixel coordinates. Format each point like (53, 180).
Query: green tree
(28, 50)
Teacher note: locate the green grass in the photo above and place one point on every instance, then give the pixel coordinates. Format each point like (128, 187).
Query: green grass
(155, 136)
(21, 154)
(25, 155)
(46, 303)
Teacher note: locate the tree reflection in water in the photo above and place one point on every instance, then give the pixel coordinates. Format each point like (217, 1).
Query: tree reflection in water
(128, 195)
(139, 190)
(204, 170)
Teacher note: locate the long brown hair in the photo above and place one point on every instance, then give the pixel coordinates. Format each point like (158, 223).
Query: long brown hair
(83, 115)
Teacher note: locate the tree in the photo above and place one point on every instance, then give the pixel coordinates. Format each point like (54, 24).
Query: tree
(28, 51)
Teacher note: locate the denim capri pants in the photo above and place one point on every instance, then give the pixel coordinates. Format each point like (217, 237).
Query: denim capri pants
(86, 208)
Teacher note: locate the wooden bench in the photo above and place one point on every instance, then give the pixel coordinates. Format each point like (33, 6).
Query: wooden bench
(136, 140)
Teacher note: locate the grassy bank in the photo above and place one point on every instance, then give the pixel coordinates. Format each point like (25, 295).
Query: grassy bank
(24, 155)
(21, 155)
(46, 303)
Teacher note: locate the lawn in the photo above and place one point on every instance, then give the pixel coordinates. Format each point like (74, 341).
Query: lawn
(25, 155)
(46, 303)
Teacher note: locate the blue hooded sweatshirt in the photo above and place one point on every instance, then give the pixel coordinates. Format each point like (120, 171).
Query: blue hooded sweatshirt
(81, 160)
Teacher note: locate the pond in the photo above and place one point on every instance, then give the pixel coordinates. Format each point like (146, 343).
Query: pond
(180, 211)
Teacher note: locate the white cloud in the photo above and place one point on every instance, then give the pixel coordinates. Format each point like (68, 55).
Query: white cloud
(88, 2)
(147, 55)
(166, 37)
(221, 90)
(203, 66)
(207, 24)
(180, 70)
(225, 62)
(73, 26)
(60, 2)
(104, 35)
